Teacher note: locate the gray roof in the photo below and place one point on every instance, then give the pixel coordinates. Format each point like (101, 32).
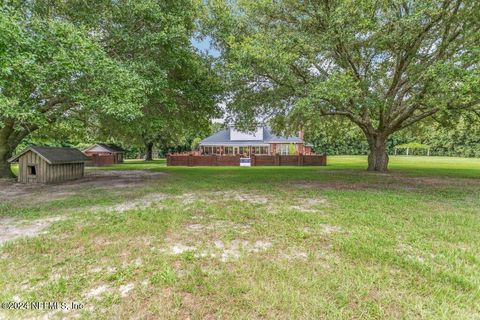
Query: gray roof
(54, 155)
(109, 146)
(223, 137)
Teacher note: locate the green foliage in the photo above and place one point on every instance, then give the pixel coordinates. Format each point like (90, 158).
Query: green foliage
(50, 67)
(291, 149)
(125, 68)
(412, 145)
(55, 75)
(195, 143)
(381, 65)
(460, 138)
(153, 39)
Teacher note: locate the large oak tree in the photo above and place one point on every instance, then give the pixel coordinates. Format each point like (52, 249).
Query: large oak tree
(384, 65)
(53, 71)
(153, 39)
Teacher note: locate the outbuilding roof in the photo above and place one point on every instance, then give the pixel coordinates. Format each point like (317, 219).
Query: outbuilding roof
(55, 155)
(109, 147)
(222, 137)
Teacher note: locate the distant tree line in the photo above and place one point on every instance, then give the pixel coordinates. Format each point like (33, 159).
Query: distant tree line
(459, 139)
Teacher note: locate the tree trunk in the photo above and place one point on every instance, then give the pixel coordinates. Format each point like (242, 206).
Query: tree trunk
(5, 154)
(10, 138)
(378, 157)
(149, 151)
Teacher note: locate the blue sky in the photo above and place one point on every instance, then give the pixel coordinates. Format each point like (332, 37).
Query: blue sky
(205, 46)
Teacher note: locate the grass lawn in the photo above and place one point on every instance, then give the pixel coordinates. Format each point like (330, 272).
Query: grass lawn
(331, 242)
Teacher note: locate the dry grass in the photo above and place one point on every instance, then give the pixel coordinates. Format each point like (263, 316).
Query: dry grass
(236, 243)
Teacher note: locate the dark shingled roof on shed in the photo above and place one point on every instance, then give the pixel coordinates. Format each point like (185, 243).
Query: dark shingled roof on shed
(54, 155)
(112, 147)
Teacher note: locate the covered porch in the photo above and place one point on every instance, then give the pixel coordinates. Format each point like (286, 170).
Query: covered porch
(239, 149)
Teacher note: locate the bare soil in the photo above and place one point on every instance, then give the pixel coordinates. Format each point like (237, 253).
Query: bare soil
(390, 181)
(13, 228)
(112, 179)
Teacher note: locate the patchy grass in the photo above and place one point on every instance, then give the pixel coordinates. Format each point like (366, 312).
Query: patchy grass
(279, 243)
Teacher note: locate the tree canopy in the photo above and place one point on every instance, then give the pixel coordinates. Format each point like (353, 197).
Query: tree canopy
(52, 71)
(123, 69)
(383, 65)
(153, 38)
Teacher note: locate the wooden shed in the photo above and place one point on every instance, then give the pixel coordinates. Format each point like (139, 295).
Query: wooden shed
(49, 164)
(104, 154)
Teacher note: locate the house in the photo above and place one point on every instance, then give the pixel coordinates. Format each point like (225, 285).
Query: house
(260, 141)
(49, 164)
(104, 154)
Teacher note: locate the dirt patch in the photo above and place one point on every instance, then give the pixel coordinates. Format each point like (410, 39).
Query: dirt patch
(119, 178)
(388, 181)
(294, 254)
(234, 249)
(111, 179)
(308, 204)
(434, 181)
(224, 251)
(125, 289)
(12, 228)
(239, 196)
(219, 225)
(414, 254)
(179, 248)
(328, 229)
(141, 203)
(333, 185)
(204, 240)
(97, 292)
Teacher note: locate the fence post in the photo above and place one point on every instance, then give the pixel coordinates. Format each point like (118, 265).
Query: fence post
(277, 159)
(324, 162)
(253, 160)
(300, 159)
(189, 160)
(168, 160)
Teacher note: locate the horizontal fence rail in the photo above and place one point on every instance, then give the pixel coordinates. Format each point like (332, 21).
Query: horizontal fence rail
(260, 160)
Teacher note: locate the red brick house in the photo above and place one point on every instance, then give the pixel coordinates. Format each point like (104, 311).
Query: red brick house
(261, 141)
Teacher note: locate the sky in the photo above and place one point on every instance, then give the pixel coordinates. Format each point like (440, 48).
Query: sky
(205, 46)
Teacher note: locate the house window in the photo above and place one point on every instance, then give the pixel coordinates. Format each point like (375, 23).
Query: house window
(244, 151)
(209, 150)
(32, 170)
(228, 150)
(282, 149)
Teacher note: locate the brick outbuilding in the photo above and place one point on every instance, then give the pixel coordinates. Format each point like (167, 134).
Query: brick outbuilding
(105, 154)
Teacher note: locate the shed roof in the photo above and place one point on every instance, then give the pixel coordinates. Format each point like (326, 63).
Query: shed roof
(223, 137)
(54, 155)
(108, 146)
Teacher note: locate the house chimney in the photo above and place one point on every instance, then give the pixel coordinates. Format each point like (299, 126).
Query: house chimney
(301, 133)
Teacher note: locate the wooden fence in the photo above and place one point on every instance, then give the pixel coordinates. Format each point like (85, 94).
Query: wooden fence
(260, 160)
